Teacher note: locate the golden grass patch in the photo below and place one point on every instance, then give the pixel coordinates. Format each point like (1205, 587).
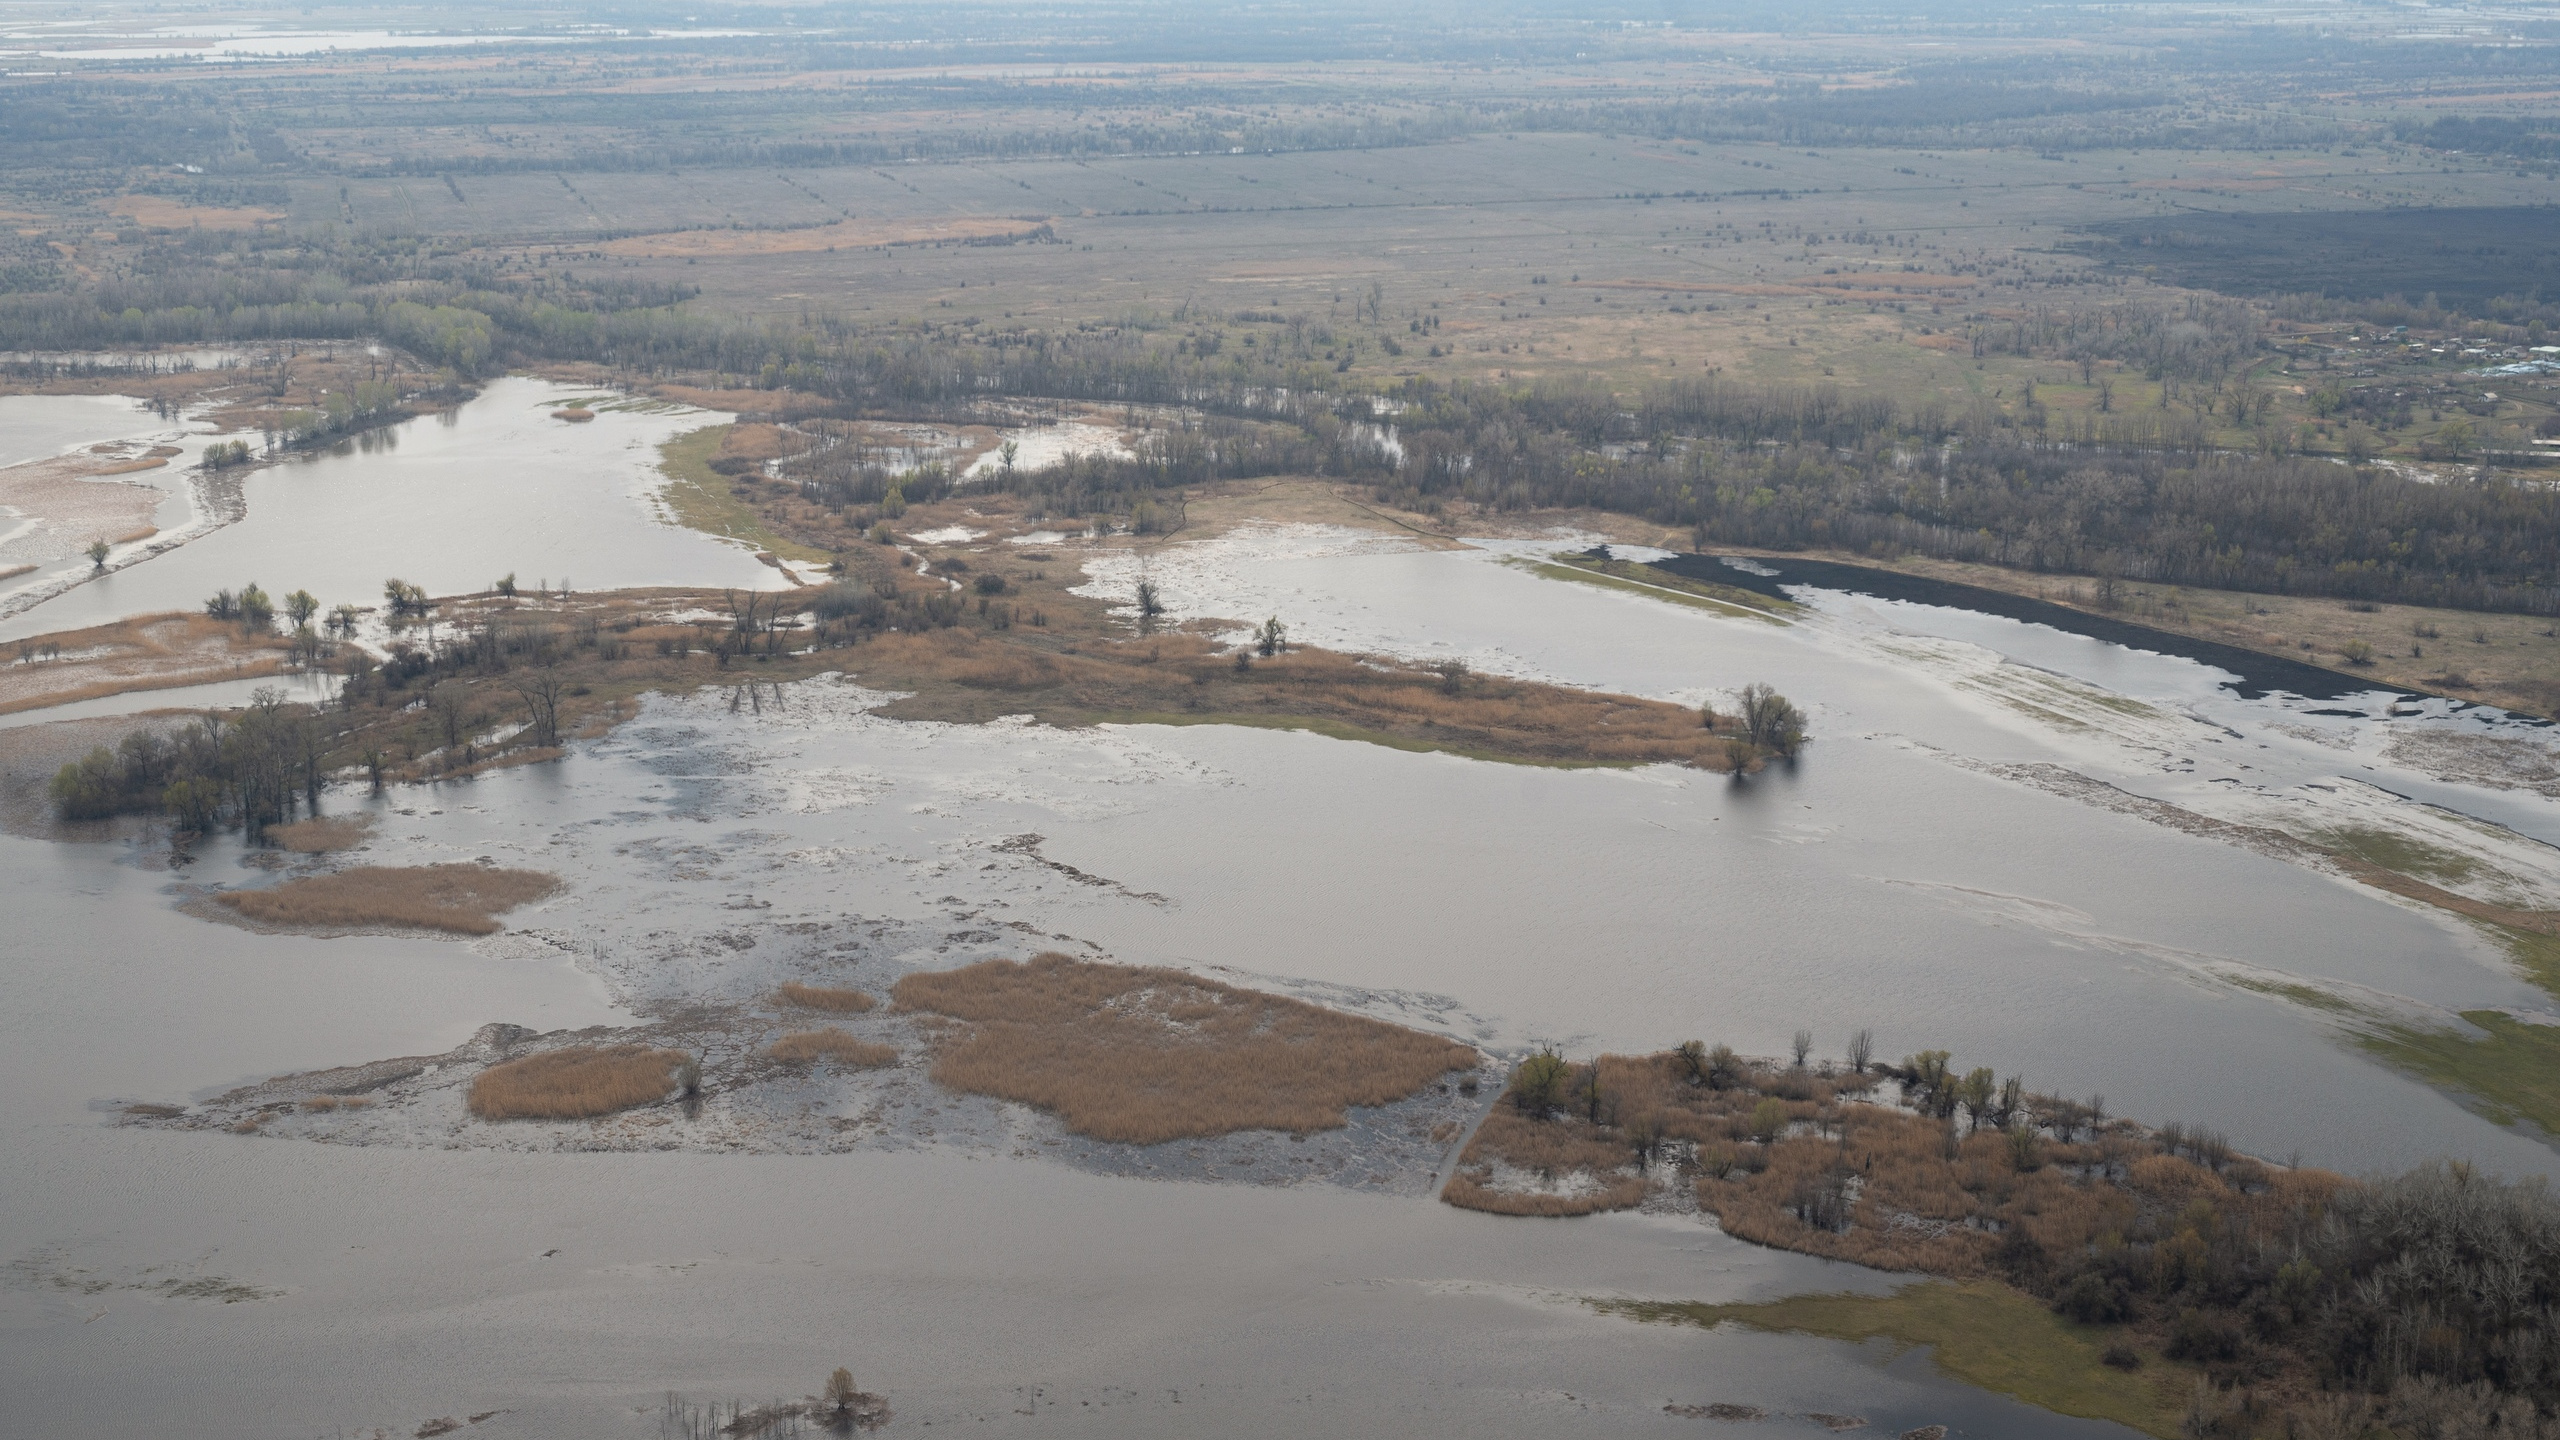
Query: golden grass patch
(807, 1047)
(825, 997)
(1144, 1055)
(1559, 1166)
(158, 213)
(461, 898)
(321, 834)
(147, 652)
(843, 234)
(576, 1083)
(1183, 679)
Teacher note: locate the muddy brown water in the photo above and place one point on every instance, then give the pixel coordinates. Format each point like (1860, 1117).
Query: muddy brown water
(392, 1266)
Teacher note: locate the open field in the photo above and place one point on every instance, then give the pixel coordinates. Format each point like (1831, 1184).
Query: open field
(1143, 1056)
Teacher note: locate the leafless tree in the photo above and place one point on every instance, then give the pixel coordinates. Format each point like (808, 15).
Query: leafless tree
(540, 690)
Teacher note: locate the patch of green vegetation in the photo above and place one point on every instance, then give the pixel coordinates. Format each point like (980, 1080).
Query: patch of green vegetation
(1665, 580)
(1334, 729)
(2399, 853)
(1582, 572)
(2537, 955)
(1981, 1332)
(2511, 1071)
(700, 497)
(2310, 996)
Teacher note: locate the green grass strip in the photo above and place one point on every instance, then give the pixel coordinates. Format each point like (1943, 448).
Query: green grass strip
(1555, 570)
(1981, 1332)
(701, 499)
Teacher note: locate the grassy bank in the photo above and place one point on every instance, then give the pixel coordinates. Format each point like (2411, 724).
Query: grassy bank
(1629, 576)
(1981, 1332)
(702, 498)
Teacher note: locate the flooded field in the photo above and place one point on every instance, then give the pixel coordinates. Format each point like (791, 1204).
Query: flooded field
(1980, 852)
(450, 502)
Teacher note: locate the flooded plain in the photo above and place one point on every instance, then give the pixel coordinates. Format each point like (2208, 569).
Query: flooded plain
(1922, 871)
(450, 502)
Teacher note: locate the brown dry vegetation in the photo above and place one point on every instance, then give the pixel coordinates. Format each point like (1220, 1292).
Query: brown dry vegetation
(149, 652)
(575, 1083)
(807, 1047)
(823, 997)
(428, 897)
(843, 234)
(1143, 1055)
(2169, 1235)
(319, 835)
(1185, 679)
(1579, 1169)
(158, 213)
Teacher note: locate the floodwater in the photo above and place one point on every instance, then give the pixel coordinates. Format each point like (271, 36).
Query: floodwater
(450, 502)
(1906, 876)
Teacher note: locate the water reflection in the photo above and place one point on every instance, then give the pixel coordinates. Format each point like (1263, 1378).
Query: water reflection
(491, 488)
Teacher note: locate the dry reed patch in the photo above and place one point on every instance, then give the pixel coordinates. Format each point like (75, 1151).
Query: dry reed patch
(1143, 1055)
(575, 414)
(1179, 679)
(460, 898)
(158, 213)
(320, 835)
(576, 1083)
(807, 1047)
(846, 234)
(1518, 1165)
(825, 997)
(147, 652)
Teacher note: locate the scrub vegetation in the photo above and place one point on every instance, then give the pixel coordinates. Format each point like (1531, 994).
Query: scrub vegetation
(1143, 1055)
(578, 1082)
(465, 899)
(2273, 1294)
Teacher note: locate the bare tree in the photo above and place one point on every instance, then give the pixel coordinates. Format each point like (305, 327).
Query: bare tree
(541, 691)
(1862, 1048)
(1804, 1046)
(449, 704)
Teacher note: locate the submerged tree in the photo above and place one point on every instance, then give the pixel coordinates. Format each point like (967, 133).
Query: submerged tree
(1770, 720)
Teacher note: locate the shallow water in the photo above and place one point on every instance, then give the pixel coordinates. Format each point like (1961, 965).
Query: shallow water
(301, 687)
(33, 427)
(450, 502)
(1895, 878)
